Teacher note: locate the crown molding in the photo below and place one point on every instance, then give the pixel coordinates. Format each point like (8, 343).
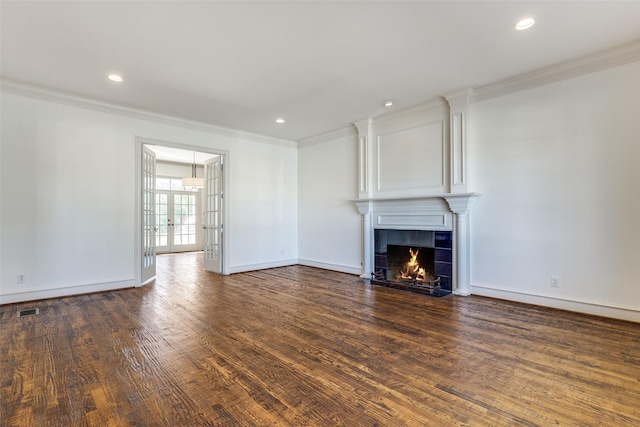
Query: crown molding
(40, 93)
(349, 131)
(461, 96)
(620, 55)
(434, 105)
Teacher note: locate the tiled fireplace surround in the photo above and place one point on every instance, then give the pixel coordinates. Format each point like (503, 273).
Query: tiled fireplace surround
(412, 176)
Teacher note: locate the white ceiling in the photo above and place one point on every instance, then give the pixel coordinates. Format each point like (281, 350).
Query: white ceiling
(321, 65)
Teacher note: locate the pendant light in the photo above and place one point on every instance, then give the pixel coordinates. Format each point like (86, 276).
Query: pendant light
(192, 181)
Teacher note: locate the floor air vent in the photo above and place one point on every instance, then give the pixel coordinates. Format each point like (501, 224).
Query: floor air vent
(28, 312)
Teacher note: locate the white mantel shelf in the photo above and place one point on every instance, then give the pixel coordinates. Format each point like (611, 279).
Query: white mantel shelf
(447, 211)
(460, 201)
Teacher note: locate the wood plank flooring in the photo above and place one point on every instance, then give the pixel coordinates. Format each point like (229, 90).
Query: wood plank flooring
(298, 346)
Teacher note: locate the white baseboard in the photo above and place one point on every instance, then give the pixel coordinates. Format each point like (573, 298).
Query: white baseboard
(288, 262)
(34, 295)
(262, 266)
(332, 267)
(597, 309)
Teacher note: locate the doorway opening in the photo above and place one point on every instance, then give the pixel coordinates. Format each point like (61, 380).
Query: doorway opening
(175, 218)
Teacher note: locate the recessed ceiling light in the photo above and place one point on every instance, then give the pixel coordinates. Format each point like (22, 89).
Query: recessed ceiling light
(115, 78)
(388, 103)
(525, 24)
(280, 121)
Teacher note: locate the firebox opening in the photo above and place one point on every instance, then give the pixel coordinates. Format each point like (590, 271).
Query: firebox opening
(411, 264)
(432, 251)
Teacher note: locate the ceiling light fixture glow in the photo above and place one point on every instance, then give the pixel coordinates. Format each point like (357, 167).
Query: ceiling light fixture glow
(115, 78)
(280, 121)
(388, 103)
(525, 24)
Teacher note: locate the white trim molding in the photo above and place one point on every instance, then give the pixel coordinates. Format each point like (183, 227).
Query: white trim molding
(620, 55)
(262, 266)
(345, 132)
(365, 135)
(39, 294)
(458, 118)
(460, 205)
(631, 314)
(330, 266)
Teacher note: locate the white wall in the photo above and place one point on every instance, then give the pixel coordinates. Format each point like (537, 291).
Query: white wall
(558, 170)
(67, 197)
(264, 191)
(329, 225)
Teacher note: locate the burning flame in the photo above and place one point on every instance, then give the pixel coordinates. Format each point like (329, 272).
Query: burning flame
(412, 270)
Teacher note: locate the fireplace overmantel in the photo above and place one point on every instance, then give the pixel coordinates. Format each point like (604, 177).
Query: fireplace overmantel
(438, 212)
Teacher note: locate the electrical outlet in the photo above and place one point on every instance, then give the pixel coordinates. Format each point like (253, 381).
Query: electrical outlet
(555, 281)
(20, 279)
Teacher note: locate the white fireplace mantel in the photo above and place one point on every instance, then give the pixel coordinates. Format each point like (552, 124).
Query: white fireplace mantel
(439, 212)
(412, 174)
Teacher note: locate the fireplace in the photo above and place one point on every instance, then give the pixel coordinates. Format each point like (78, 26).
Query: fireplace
(414, 260)
(436, 223)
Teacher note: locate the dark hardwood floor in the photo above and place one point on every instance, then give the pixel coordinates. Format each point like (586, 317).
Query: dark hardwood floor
(299, 346)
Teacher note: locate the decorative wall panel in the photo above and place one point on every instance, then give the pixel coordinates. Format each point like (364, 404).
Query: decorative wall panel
(411, 161)
(414, 222)
(363, 167)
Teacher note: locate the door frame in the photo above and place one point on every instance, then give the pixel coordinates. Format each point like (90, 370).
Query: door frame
(139, 142)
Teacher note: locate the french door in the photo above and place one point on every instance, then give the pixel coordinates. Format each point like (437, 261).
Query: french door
(177, 215)
(213, 218)
(148, 214)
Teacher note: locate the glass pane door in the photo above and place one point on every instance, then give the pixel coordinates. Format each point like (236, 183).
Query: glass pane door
(184, 221)
(177, 219)
(213, 177)
(162, 221)
(148, 214)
